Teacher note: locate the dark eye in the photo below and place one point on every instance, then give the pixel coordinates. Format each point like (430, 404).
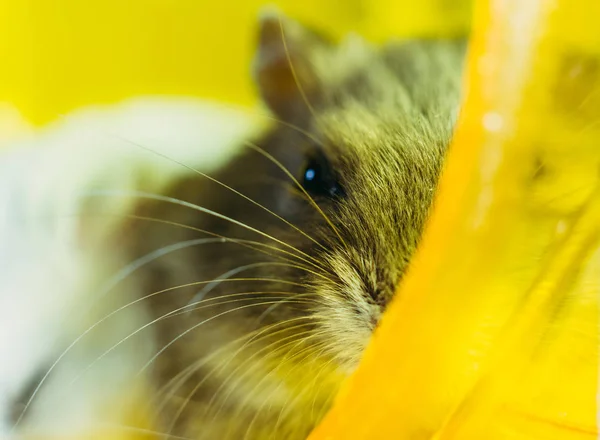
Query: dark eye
(319, 180)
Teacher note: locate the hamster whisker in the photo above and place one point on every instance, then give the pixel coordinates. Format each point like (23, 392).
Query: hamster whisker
(134, 429)
(275, 119)
(310, 350)
(250, 335)
(276, 353)
(290, 404)
(280, 364)
(323, 368)
(179, 379)
(222, 399)
(253, 337)
(239, 297)
(150, 196)
(229, 188)
(293, 72)
(296, 193)
(181, 335)
(268, 398)
(250, 244)
(314, 204)
(203, 361)
(225, 275)
(221, 366)
(290, 187)
(274, 306)
(103, 319)
(267, 349)
(187, 309)
(292, 301)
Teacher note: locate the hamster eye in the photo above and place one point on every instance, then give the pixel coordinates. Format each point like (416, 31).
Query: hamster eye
(319, 180)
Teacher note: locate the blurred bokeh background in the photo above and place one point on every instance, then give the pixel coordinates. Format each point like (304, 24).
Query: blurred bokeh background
(58, 55)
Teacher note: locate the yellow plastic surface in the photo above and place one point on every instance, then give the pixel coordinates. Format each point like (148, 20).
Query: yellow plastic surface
(494, 333)
(58, 55)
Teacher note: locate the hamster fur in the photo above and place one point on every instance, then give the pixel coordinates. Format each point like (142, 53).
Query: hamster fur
(271, 273)
(269, 305)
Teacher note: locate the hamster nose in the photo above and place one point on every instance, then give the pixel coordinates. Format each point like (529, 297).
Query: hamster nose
(374, 322)
(375, 315)
(380, 296)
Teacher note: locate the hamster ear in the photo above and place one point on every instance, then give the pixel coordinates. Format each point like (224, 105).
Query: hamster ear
(283, 65)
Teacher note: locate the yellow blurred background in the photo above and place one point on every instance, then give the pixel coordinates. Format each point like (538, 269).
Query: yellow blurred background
(58, 55)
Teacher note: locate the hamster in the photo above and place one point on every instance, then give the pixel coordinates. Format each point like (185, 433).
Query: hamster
(269, 275)
(292, 250)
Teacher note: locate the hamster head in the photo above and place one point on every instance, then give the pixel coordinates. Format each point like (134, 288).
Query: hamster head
(376, 122)
(340, 189)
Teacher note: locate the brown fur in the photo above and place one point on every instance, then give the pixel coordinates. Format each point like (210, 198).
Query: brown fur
(382, 118)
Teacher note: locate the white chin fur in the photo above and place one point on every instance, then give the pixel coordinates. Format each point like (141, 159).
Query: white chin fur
(49, 280)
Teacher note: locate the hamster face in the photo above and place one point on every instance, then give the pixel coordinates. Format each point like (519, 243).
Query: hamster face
(340, 189)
